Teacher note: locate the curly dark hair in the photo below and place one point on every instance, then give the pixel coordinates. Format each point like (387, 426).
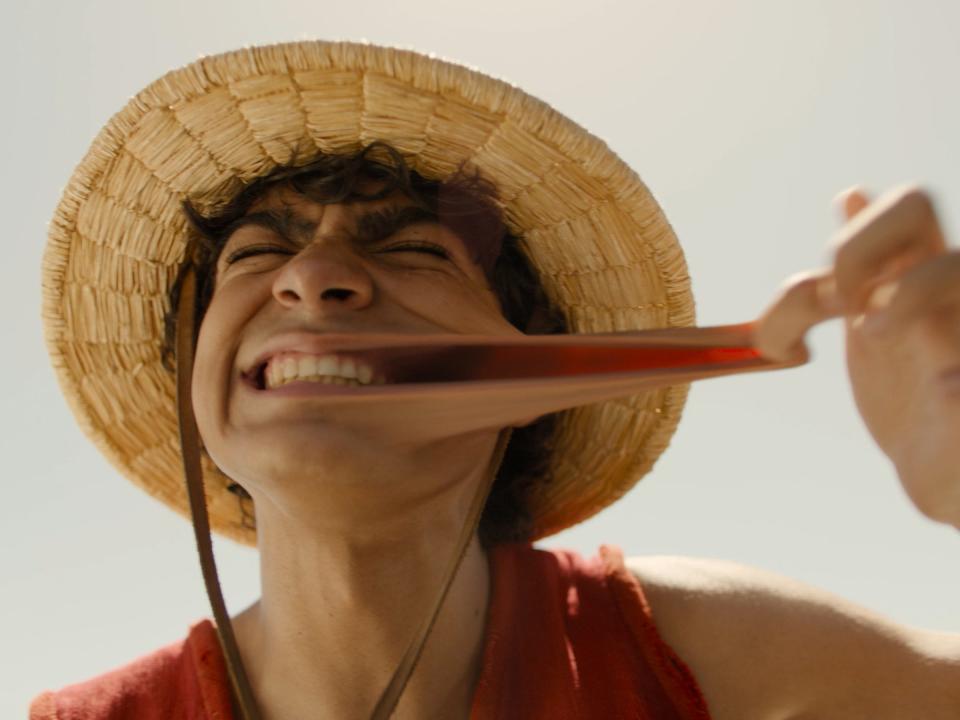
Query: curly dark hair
(466, 203)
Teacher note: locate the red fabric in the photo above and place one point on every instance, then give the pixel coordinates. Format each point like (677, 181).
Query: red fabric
(573, 638)
(566, 638)
(186, 681)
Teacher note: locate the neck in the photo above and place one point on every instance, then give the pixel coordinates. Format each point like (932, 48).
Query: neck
(338, 610)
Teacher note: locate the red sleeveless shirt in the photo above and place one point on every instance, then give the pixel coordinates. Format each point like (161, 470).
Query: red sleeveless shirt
(566, 638)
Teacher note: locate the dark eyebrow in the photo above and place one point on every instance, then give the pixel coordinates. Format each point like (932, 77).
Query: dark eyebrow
(371, 226)
(285, 223)
(374, 226)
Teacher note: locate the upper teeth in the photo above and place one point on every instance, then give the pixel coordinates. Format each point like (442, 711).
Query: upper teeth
(283, 369)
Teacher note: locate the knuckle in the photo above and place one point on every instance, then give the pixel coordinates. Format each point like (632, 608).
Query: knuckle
(915, 200)
(802, 281)
(804, 287)
(801, 293)
(796, 288)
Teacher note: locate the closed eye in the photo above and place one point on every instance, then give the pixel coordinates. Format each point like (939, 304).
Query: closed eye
(428, 248)
(251, 250)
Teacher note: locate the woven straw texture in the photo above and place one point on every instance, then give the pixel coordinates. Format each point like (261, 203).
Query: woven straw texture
(605, 251)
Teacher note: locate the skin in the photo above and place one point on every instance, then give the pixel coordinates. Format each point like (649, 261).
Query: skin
(896, 286)
(351, 508)
(764, 646)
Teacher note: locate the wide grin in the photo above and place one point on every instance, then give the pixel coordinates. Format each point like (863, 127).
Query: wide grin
(393, 364)
(328, 369)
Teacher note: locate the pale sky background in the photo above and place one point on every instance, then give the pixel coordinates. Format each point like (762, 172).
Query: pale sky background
(744, 117)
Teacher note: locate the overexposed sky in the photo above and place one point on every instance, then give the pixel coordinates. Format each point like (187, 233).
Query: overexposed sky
(744, 117)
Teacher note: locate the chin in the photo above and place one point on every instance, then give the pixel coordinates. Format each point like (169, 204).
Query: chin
(296, 450)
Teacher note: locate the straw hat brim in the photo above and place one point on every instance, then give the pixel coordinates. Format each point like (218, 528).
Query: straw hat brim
(606, 253)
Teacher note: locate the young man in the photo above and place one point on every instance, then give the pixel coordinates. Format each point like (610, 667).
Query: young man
(357, 499)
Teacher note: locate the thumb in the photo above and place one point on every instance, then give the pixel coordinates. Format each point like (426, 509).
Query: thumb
(851, 201)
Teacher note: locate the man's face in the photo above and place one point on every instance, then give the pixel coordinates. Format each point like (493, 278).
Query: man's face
(292, 272)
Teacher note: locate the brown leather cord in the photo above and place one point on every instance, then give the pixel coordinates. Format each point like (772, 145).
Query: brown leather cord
(391, 694)
(190, 450)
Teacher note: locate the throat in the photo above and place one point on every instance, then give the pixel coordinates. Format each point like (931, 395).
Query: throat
(334, 640)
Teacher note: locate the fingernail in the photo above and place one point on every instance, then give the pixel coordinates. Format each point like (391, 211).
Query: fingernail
(840, 202)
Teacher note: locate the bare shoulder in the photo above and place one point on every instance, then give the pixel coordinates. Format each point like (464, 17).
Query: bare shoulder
(764, 646)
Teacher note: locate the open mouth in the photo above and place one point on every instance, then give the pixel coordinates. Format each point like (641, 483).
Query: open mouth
(287, 368)
(453, 362)
(375, 367)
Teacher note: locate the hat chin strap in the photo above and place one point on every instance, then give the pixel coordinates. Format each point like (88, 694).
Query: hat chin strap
(193, 473)
(391, 695)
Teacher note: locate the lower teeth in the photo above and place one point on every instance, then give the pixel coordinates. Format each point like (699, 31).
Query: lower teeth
(326, 380)
(333, 380)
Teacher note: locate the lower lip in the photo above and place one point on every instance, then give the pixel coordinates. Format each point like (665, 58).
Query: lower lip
(302, 388)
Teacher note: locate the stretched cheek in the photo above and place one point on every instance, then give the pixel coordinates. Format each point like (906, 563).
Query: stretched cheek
(213, 369)
(481, 313)
(203, 389)
(456, 303)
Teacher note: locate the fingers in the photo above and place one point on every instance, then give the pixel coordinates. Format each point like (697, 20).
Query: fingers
(805, 299)
(851, 201)
(778, 334)
(930, 291)
(881, 240)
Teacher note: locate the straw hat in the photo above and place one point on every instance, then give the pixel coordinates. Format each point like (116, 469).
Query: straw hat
(605, 252)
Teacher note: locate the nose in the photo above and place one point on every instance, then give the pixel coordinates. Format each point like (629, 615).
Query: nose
(327, 275)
